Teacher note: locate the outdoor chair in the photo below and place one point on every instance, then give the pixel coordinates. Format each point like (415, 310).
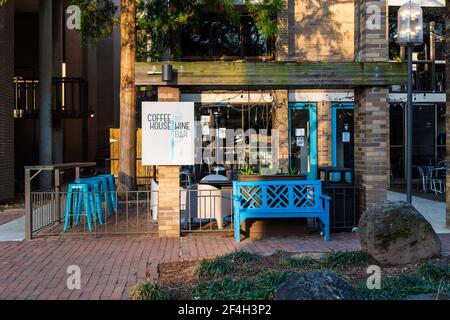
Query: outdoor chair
(79, 195)
(424, 177)
(437, 177)
(206, 202)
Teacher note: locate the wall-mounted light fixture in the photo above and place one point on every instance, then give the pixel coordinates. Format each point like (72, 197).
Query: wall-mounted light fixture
(167, 72)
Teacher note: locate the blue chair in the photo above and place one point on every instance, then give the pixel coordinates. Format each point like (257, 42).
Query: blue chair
(111, 189)
(78, 195)
(97, 187)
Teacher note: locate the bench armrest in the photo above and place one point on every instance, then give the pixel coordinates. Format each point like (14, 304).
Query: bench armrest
(237, 197)
(325, 197)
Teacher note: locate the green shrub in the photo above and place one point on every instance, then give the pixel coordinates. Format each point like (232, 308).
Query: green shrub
(149, 290)
(342, 259)
(214, 267)
(398, 287)
(434, 272)
(262, 287)
(242, 256)
(301, 262)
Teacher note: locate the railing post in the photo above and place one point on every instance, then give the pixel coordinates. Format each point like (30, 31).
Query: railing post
(57, 216)
(77, 172)
(28, 208)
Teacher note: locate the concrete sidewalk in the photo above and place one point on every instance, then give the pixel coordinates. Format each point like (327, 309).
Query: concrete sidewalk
(433, 211)
(13, 230)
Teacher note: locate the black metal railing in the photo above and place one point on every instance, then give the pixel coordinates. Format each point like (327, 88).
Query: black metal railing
(134, 212)
(69, 98)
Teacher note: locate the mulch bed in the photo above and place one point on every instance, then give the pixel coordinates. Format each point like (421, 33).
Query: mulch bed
(179, 276)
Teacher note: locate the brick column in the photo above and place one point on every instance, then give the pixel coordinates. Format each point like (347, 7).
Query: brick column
(371, 144)
(371, 106)
(169, 183)
(324, 143)
(447, 51)
(280, 122)
(370, 38)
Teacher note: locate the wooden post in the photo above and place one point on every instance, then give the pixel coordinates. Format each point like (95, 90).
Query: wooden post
(28, 208)
(57, 216)
(127, 159)
(169, 183)
(45, 88)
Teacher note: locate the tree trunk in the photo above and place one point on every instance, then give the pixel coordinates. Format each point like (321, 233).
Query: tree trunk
(127, 160)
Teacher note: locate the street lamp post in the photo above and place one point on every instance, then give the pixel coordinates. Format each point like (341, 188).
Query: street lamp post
(410, 34)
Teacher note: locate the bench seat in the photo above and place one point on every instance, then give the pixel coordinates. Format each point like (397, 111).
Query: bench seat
(280, 199)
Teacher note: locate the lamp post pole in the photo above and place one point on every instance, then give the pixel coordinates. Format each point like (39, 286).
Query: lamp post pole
(410, 34)
(409, 128)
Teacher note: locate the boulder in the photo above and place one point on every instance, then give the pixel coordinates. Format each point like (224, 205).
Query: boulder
(396, 233)
(317, 286)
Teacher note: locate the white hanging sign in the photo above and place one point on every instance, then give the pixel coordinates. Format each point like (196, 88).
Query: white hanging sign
(168, 133)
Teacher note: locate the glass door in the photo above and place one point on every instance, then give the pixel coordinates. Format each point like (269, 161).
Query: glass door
(343, 135)
(303, 139)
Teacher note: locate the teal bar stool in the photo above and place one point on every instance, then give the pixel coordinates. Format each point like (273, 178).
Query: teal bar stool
(112, 189)
(98, 188)
(78, 194)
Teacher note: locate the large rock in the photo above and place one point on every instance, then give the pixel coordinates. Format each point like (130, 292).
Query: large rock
(317, 286)
(396, 233)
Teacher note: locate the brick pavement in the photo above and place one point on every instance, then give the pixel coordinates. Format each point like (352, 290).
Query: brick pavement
(110, 266)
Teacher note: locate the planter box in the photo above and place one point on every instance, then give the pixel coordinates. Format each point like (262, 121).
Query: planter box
(284, 177)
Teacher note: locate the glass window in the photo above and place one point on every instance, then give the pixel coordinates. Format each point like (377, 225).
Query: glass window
(397, 131)
(216, 38)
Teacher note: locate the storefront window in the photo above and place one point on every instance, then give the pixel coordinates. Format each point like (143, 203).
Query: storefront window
(428, 137)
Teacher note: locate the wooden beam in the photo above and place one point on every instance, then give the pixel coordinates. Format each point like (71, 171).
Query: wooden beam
(275, 74)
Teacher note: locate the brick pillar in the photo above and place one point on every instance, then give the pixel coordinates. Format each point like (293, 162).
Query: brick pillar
(324, 142)
(447, 51)
(371, 144)
(371, 106)
(280, 122)
(169, 183)
(371, 33)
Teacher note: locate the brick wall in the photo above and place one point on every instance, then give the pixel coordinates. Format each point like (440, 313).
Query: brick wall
(6, 101)
(280, 121)
(169, 183)
(317, 30)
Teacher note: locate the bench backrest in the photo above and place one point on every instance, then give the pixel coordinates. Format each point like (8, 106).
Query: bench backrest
(278, 195)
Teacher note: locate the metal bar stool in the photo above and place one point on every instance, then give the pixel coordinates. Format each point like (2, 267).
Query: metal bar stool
(111, 189)
(77, 196)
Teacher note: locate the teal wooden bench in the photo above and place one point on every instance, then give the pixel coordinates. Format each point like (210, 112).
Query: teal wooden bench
(280, 199)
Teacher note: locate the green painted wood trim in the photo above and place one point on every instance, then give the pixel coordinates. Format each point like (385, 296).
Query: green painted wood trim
(276, 74)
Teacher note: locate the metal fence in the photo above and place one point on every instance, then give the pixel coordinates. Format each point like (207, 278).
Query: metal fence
(206, 209)
(133, 212)
(211, 210)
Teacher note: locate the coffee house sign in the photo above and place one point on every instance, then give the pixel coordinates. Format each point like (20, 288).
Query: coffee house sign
(168, 133)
